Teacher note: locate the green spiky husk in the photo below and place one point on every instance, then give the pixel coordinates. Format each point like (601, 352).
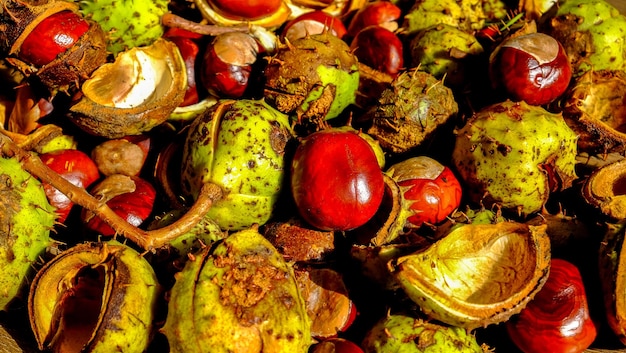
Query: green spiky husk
(25, 223)
(129, 23)
(514, 155)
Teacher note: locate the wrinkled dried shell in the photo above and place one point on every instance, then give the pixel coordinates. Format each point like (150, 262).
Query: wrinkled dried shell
(595, 110)
(478, 274)
(605, 189)
(410, 111)
(122, 99)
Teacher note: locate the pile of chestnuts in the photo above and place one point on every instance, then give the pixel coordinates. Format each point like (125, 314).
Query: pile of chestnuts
(293, 176)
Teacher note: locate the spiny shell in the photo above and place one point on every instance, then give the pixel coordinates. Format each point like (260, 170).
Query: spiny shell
(514, 155)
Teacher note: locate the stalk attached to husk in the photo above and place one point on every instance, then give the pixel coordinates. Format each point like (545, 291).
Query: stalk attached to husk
(147, 240)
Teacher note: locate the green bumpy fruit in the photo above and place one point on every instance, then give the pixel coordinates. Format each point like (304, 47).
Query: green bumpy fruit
(240, 146)
(431, 51)
(314, 78)
(466, 15)
(129, 23)
(25, 223)
(241, 296)
(593, 34)
(514, 155)
(401, 333)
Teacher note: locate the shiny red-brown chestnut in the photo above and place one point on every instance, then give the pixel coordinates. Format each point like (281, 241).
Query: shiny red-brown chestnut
(377, 13)
(227, 64)
(336, 181)
(557, 319)
(132, 198)
(532, 67)
(76, 167)
(245, 9)
(429, 189)
(380, 49)
(314, 22)
(53, 36)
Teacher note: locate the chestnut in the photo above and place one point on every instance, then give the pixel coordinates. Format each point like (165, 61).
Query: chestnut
(532, 67)
(53, 36)
(246, 9)
(314, 22)
(377, 13)
(132, 198)
(336, 181)
(557, 319)
(227, 64)
(380, 49)
(76, 167)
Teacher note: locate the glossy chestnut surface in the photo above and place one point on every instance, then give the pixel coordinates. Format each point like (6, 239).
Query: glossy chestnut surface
(314, 22)
(53, 36)
(227, 64)
(76, 167)
(430, 190)
(532, 67)
(557, 319)
(246, 9)
(379, 48)
(378, 13)
(336, 181)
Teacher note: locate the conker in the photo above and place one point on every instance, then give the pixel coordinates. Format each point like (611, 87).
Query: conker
(532, 67)
(76, 167)
(377, 13)
(132, 198)
(227, 64)
(314, 22)
(246, 9)
(53, 36)
(379, 48)
(336, 181)
(557, 319)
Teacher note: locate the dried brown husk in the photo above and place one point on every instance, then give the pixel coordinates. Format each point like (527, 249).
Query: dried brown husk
(595, 108)
(69, 68)
(478, 274)
(96, 111)
(605, 189)
(410, 111)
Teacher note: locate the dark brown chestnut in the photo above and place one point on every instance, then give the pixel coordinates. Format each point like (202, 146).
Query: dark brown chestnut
(532, 67)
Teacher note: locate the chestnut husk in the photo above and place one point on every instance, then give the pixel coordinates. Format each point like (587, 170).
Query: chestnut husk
(605, 190)
(68, 69)
(595, 109)
(478, 274)
(94, 297)
(96, 111)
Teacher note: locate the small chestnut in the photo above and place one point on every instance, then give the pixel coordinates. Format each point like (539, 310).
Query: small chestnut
(532, 67)
(245, 9)
(314, 22)
(76, 167)
(378, 13)
(380, 49)
(227, 64)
